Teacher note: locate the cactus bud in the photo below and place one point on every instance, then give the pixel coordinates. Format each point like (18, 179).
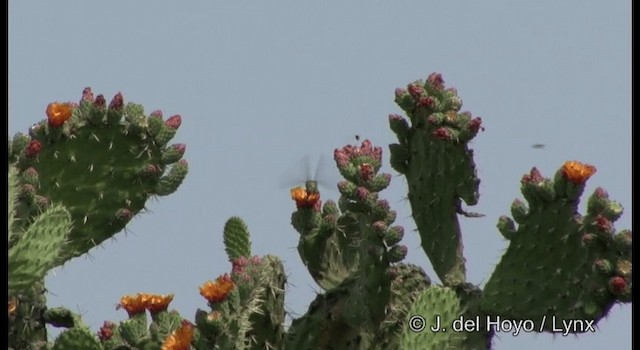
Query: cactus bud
(603, 224)
(415, 90)
(173, 153)
(623, 268)
(442, 133)
(506, 226)
(397, 253)
(33, 148)
(617, 285)
(87, 95)
(602, 266)
(394, 235)
(106, 331)
(174, 122)
(379, 227)
(100, 102)
(123, 215)
(519, 211)
(117, 102)
(156, 114)
(623, 242)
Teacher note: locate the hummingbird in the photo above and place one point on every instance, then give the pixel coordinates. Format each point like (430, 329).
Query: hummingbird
(302, 174)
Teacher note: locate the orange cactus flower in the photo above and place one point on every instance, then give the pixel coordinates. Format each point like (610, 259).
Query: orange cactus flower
(134, 304)
(180, 339)
(158, 303)
(577, 172)
(304, 198)
(13, 307)
(58, 113)
(216, 291)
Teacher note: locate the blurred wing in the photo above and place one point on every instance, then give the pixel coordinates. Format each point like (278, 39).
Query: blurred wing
(327, 174)
(297, 175)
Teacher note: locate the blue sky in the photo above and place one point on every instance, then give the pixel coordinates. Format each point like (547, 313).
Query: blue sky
(261, 84)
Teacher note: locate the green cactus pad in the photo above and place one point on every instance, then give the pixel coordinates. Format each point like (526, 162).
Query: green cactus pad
(236, 239)
(559, 266)
(267, 331)
(37, 250)
(103, 165)
(77, 338)
(135, 330)
(438, 165)
(164, 323)
(431, 320)
(326, 249)
(324, 326)
(407, 283)
(251, 316)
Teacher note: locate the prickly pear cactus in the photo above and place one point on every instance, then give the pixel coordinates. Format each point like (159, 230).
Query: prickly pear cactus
(433, 155)
(348, 249)
(77, 179)
(35, 245)
(562, 271)
(33, 250)
(101, 162)
(566, 270)
(247, 306)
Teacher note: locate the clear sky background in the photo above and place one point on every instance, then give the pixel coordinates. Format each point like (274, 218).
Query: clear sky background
(260, 84)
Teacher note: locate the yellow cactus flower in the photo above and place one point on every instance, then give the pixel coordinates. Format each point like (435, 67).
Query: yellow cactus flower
(577, 172)
(216, 291)
(58, 113)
